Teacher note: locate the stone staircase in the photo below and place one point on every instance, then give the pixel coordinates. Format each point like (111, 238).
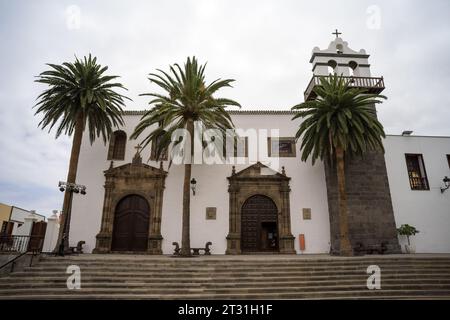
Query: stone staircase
(232, 277)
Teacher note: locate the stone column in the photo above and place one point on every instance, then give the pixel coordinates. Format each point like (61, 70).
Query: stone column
(104, 237)
(234, 235)
(286, 239)
(154, 236)
(25, 229)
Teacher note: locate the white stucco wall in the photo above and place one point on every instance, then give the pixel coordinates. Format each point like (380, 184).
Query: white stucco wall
(308, 190)
(428, 211)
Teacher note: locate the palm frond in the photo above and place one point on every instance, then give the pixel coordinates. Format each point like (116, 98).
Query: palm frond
(80, 90)
(186, 98)
(340, 117)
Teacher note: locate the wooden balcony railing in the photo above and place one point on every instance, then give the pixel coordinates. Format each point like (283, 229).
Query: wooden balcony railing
(419, 183)
(371, 84)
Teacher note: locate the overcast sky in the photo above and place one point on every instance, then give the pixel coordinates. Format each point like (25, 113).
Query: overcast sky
(264, 45)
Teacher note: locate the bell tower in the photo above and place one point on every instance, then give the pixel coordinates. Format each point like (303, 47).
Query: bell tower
(371, 220)
(339, 59)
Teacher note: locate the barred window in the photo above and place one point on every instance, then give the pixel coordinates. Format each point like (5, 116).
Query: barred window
(416, 172)
(281, 147)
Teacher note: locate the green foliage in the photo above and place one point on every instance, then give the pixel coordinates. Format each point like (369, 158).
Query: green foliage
(186, 98)
(407, 230)
(340, 117)
(80, 90)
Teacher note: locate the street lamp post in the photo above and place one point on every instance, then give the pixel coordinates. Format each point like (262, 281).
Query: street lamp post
(71, 188)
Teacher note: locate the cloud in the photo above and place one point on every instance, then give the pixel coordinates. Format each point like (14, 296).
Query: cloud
(264, 45)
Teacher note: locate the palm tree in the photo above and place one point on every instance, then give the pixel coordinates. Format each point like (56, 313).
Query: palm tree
(79, 96)
(340, 122)
(186, 100)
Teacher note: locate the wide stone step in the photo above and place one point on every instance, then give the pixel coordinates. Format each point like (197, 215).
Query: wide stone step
(281, 291)
(278, 279)
(206, 262)
(244, 277)
(354, 295)
(386, 283)
(272, 288)
(214, 279)
(219, 268)
(263, 273)
(245, 259)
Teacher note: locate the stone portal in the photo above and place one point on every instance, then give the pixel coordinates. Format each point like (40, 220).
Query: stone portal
(143, 186)
(259, 211)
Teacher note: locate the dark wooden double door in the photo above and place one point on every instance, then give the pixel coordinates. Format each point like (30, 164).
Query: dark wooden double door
(131, 224)
(259, 227)
(37, 236)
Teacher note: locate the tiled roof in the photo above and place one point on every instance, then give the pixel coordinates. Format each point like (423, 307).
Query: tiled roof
(232, 112)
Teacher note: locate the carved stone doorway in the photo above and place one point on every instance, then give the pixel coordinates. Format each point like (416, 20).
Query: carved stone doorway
(133, 201)
(253, 191)
(259, 227)
(131, 224)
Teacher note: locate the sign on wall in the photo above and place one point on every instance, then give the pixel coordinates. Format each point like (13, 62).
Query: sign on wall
(211, 213)
(306, 213)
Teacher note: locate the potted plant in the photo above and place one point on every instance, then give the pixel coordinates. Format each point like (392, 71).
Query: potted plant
(407, 230)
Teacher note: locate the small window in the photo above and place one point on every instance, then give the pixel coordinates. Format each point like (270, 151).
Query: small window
(281, 147)
(416, 172)
(117, 145)
(448, 160)
(163, 156)
(241, 147)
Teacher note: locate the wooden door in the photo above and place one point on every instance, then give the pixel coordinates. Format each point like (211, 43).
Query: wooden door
(131, 224)
(7, 228)
(256, 212)
(37, 235)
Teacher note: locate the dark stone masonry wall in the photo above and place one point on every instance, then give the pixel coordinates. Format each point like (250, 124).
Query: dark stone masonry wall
(371, 216)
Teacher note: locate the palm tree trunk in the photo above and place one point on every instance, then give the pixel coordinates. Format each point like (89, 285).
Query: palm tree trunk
(185, 233)
(344, 243)
(71, 177)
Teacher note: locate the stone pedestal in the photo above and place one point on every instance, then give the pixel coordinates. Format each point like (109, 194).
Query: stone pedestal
(155, 244)
(51, 233)
(286, 244)
(27, 226)
(233, 244)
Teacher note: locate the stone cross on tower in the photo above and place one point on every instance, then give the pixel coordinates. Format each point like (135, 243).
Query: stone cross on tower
(337, 33)
(138, 148)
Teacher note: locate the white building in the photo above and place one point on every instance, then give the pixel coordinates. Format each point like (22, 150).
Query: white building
(416, 192)
(132, 206)
(18, 217)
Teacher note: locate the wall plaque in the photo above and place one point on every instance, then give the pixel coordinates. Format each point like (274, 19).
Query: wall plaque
(211, 213)
(306, 213)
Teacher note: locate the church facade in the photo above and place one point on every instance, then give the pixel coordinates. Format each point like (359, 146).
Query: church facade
(264, 199)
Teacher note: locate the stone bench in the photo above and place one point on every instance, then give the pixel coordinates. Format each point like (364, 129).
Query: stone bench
(78, 248)
(360, 249)
(195, 251)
